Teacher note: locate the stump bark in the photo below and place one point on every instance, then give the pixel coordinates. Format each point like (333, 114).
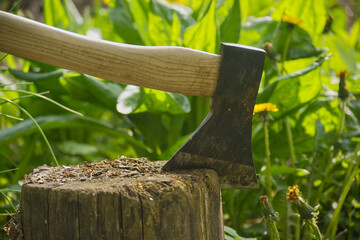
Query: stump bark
(121, 199)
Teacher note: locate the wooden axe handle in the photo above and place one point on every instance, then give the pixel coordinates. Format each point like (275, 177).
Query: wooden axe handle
(173, 69)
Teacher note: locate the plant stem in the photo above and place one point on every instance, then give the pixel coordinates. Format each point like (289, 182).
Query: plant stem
(297, 227)
(287, 220)
(8, 200)
(37, 125)
(290, 141)
(274, 234)
(342, 120)
(332, 227)
(315, 229)
(267, 153)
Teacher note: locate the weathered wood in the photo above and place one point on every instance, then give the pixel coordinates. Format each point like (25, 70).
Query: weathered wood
(113, 200)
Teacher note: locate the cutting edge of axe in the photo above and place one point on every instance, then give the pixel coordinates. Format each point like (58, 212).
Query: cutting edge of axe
(222, 142)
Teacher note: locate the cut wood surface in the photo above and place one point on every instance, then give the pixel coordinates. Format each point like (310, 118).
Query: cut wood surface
(120, 199)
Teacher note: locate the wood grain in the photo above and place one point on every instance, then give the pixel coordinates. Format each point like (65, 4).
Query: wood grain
(147, 205)
(173, 69)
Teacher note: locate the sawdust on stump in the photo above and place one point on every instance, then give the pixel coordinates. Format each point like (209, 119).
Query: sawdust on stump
(126, 198)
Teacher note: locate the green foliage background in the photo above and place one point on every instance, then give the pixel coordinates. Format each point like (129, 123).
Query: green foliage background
(308, 49)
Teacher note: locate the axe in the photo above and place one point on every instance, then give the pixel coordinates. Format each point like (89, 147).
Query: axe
(223, 140)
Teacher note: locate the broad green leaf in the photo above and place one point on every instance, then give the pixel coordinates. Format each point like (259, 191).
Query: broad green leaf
(171, 150)
(123, 24)
(326, 111)
(277, 170)
(167, 22)
(229, 19)
(292, 91)
(65, 121)
(198, 7)
(160, 101)
(129, 99)
(158, 30)
(258, 31)
(319, 134)
(318, 62)
(139, 10)
(106, 92)
(255, 8)
(76, 148)
(253, 29)
(45, 81)
(152, 129)
(312, 14)
(203, 35)
(54, 14)
(91, 89)
(175, 32)
(35, 77)
(231, 234)
(301, 44)
(43, 97)
(344, 54)
(75, 19)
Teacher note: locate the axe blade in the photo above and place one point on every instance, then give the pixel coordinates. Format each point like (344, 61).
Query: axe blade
(223, 140)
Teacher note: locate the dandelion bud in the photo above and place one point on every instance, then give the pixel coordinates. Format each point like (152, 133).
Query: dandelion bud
(343, 90)
(271, 52)
(267, 209)
(328, 24)
(306, 211)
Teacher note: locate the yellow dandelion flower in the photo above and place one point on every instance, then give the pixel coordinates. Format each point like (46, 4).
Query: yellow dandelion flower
(293, 194)
(291, 20)
(265, 107)
(107, 2)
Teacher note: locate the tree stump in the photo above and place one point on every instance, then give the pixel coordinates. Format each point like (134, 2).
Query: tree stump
(121, 199)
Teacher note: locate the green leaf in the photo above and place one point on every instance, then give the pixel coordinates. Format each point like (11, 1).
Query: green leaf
(91, 89)
(139, 10)
(229, 19)
(317, 63)
(232, 234)
(256, 8)
(123, 23)
(43, 97)
(253, 29)
(36, 125)
(203, 35)
(258, 31)
(292, 91)
(66, 121)
(54, 14)
(344, 54)
(129, 99)
(44, 81)
(153, 130)
(36, 77)
(277, 170)
(76, 148)
(160, 101)
(167, 22)
(313, 14)
(171, 150)
(326, 111)
(301, 44)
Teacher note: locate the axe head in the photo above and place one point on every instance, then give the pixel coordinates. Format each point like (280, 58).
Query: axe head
(223, 140)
